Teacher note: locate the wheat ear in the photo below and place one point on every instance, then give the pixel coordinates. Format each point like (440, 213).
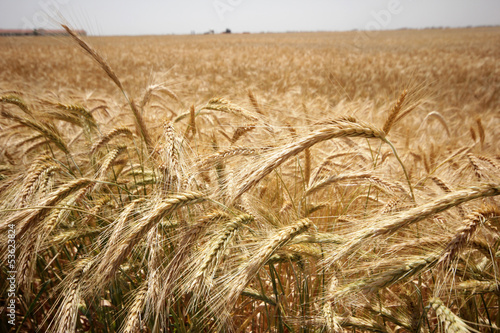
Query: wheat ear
(48, 130)
(16, 100)
(26, 218)
(391, 225)
(223, 105)
(67, 314)
(451, 322)
(464, 235)
(480, 129)
(390, 276)
(240, 131)
(192, 121)
(254, 102)
(221, 243)
(115, 255)
(260, 258)
(382, 184)
(133, 322)
(39, 167)
(225, 154)
(205, 272)
(394, 112)
(232, 285)
(331, 319)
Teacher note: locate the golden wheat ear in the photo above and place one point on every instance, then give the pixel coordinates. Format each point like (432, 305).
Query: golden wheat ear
(450, 321)
(393, 114)
(461, 239)
(66, 317)
(117, 251)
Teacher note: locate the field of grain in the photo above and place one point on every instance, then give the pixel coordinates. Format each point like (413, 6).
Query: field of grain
(305, 182)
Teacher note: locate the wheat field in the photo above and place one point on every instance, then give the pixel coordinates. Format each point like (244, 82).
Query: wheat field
(300, 182)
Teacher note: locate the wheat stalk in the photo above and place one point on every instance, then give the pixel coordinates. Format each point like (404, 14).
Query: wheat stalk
(440, 118)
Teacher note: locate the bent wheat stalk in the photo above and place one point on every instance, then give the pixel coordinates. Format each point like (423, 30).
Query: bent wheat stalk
(141, 126)
(339, 130)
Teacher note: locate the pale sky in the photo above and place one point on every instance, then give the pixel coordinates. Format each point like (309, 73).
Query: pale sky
(134, 17)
